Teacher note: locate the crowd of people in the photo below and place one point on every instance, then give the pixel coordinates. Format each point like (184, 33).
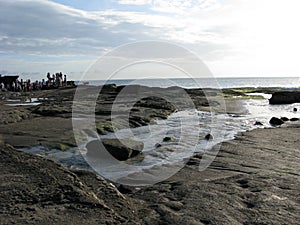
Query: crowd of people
(54, 81)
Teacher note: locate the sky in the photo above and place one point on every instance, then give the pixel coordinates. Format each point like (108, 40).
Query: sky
(234, 38)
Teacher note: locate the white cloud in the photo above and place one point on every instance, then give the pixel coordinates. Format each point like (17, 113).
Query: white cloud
(177, 6)
(221, 32)
(134, 2)
(184, 6)
(44, 27)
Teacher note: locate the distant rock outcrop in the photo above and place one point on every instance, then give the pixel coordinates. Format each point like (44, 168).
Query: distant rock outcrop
(285, 98)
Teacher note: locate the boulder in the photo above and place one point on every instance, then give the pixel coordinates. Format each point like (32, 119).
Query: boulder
(274, 121)
(121, 149)
(285, 97)
(294, 119)
(166, 139)
(295, 109)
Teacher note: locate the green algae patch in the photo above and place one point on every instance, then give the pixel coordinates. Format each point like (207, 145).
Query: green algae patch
(240, 94)
(60, 146)
(104, 127)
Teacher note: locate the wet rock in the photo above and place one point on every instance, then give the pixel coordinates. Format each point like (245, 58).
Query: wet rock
(104, 127)
(257, 123)
(295, 109)
(274, 121)
(209, 103)
(206, 104)
(108, 88)
(294, 119)
(121, 149)
(285, 97)
(157, 145)
(125, 189)
(166, 139)
(198, 155)
(208, 137)
(53, 110)
(193, 161)
(284, 119)
(60, 146)
(137, 121)
(155, 103)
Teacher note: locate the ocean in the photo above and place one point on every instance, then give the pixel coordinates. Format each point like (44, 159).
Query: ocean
(284, 82)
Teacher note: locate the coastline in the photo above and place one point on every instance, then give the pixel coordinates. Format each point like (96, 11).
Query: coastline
(253, 177)
(253, 180)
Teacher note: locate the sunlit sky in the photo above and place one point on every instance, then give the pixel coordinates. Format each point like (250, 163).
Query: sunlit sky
(234, 38)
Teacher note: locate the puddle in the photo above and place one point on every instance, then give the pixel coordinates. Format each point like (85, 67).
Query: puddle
(27, 102)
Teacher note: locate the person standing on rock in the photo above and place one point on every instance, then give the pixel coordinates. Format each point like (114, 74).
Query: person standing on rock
(65, 80)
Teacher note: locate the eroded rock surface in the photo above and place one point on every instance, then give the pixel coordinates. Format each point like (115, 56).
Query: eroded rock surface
(38, 191)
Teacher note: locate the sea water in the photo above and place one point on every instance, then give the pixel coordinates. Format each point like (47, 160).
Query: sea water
(232, 82)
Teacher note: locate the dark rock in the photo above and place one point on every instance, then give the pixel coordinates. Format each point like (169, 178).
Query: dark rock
(121, 149)
(167, 139)
(155, 103)
(257, 123)
(198, 155)
(294, 119)
(209, 103)
(206, 104)
(193, 161)
(285, 98)
(209, 137)
(295, 109)
(36, 190)
(124, 189)
(53, 110)
(157, 145)
(274, 121)
(137, 121)
(108, 88)
(284, 119)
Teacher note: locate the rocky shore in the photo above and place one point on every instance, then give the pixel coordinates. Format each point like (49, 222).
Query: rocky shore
(254, 179)
(50, 123)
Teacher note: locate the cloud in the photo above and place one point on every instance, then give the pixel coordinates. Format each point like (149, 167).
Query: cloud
(43, 27)
(37, 68)
(134, 2)
(48, 29)
(178, 7)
